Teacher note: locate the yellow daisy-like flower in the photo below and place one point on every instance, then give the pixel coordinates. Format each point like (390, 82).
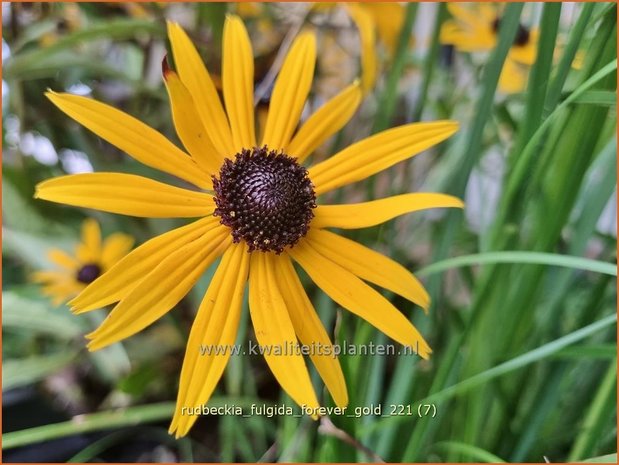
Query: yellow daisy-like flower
(71, 20)
(92, 258)
(475, 29)
(260, 216)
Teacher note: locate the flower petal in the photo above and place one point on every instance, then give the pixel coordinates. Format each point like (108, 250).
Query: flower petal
(131, 136)
(325, 122)
(377, 153)
(215, 328)
(91, 235)
(63, 259)
(513, 78)
(469, 16)
(126, 194)
(238, 83)
(526, 54)
(388, 17)
(366, 214)
(195, 77)
(309, 329)
(275, 332)
(161, 289)
(475, 38)
(290, 92)
(59, 292)
(89, 250)
(118, 281)
(46, 276)
(115, 247)
(367, 35)
(369, 265)
(189, 126)
(359, 298)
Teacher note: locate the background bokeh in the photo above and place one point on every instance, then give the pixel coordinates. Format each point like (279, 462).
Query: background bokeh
(523, 281)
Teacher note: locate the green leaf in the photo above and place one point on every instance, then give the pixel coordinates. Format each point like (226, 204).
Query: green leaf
(389, 96)
(26, 371)
(597, 97)
(31, 248)
(18, 65)
(119, 418)
(20, 313)
(589, 351)
(516, 363)
(474, 452)
(600, 411)
(610, 458)
(20, 211)
(525, 359)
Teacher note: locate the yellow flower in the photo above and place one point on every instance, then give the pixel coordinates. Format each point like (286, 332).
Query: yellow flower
(71, 20)
(475, 29)
(262, 202)
(248, 10)
(92, 258)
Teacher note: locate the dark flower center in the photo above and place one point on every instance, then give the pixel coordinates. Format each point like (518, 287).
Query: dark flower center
(88, 273)
(522, 36)
(266, 198)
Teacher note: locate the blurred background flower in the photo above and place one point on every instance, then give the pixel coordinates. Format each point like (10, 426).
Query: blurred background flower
(91, 258)
(476, 29)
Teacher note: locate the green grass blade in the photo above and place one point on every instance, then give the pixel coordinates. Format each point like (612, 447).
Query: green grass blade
(105, 420)
(483, 110)
(91, 422)
(20, 313)
(589, 351)
(430, 60)
(390, 94)
(456, 183)
(610, 458)
(576, 35)
(521, 361)
(600, 409)
(26, 371)
(538, 80)
(17, 66)
(521, 168)
(473, 452)
(533, 258)
(597, 97)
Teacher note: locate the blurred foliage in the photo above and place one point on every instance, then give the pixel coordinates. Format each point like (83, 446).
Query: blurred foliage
(522, 324)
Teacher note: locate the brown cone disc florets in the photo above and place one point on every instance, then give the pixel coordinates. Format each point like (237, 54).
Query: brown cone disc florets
(88, 273)
(522, 35)
(266, 198)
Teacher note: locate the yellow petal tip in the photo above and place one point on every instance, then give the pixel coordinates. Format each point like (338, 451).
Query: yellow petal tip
(77, 310)
(53, 95)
